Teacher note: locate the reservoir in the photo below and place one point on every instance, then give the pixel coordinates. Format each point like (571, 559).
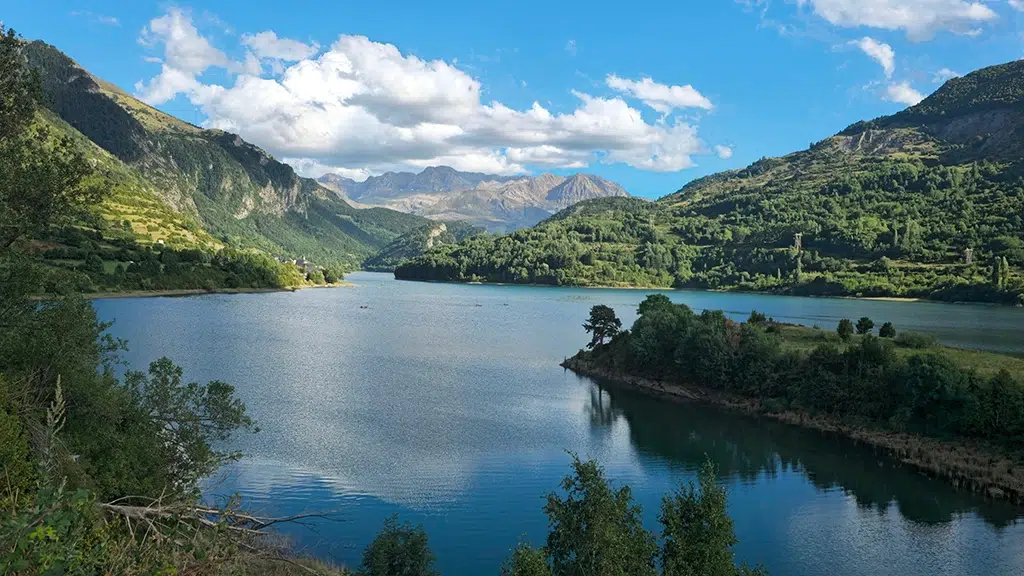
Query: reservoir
(446, 404)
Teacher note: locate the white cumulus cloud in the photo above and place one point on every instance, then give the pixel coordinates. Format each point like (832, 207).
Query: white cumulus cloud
(920, 19)
(186, 55)
(659, 97)
(1017, 5)
(267, 45)
(364, 107)
(880, 52)
(724, 152)
(903, 93)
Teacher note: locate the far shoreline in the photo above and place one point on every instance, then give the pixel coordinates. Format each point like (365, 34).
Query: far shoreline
(901, 299)
(179, 293)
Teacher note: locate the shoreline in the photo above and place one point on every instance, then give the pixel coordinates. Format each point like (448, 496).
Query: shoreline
(901, 299)
(178, 293)
(963, 464)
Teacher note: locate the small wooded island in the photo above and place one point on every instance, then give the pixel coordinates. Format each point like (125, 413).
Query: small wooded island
(951, 413)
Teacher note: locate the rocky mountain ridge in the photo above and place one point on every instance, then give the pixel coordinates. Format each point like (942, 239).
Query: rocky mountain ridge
(497, 203)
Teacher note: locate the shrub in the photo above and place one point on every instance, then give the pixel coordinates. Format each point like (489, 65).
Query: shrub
(399, 549)
(864, 325)
(915, 340)
(845, 329)
(887, 330)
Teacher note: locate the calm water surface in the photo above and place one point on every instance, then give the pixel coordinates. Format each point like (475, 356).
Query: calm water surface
(446, 404)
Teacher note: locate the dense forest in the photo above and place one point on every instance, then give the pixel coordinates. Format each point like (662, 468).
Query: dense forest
(903, 206)
(101, 472)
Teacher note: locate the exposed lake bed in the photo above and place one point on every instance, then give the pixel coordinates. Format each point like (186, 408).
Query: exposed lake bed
(446, 403)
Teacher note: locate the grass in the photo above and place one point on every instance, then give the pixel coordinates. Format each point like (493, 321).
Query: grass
(806, 339)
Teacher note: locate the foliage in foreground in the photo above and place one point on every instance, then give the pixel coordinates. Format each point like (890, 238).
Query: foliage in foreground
(99, 474)
(596, 529)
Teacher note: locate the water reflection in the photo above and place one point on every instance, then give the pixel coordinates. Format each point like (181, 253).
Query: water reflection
(751, 448)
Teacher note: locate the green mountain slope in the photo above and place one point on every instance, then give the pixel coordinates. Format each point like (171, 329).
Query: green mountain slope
(925, 203)
(413, 244)
(240, 194)
(132, 208)
(133, 241)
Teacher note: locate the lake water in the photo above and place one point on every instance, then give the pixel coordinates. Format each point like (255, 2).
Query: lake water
(446, 404)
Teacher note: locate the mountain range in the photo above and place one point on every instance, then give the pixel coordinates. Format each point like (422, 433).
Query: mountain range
(497, 203)
(925, 203)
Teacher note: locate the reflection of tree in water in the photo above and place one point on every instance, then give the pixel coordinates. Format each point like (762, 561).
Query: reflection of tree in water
(748, 448)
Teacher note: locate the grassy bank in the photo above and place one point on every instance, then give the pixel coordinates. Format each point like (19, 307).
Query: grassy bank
(806, 339)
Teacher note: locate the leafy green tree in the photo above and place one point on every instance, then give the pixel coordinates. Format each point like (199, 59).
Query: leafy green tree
(42, 176)
(887, 330)
(603, 324)
(697, 531)
(188, 419)
(94, 264)
(333, 275)
(845, 329)
(317, 277)
(865, 325)
(596, 529)
(93, 437)
(757, 318)
(399, 550)
(998, 275)
(526, 561)
(653, 338)
(652, 302)
(19, 87)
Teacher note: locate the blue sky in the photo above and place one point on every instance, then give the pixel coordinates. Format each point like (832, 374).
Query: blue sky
(650, 95)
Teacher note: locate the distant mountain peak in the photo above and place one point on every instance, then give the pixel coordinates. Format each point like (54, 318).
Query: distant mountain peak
(580, 187)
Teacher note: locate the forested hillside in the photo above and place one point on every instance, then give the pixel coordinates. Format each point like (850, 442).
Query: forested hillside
(927, 203)
(130, 239)
(413, 244)
(232, 189)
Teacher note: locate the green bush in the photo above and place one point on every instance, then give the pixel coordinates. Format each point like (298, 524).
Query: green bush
(845, 329)
(916, 340)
